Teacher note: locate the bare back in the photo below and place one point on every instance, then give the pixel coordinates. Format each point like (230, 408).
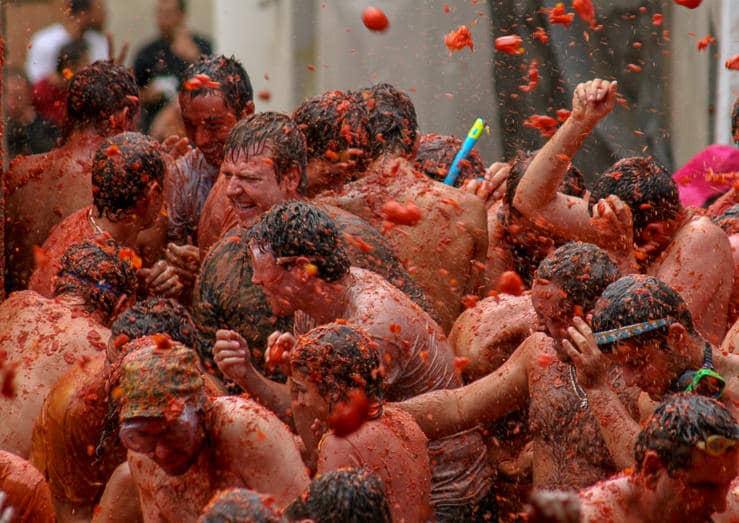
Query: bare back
(442, 248)
(44, 338)
(42, 190)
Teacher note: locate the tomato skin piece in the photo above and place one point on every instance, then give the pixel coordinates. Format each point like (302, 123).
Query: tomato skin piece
(374, 19)
(690, 4)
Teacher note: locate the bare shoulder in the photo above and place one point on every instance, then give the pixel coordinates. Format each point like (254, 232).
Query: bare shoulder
(24, 170)
(702, 233)
(237, 420)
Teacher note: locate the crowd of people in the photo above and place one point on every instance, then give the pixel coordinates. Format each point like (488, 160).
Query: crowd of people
(288, 317)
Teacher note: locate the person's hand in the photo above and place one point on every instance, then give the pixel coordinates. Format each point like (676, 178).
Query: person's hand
(185, 259)
(553, 506)
(231, 354)
(161, 279)
(592, 366)
(492, 187)
(183, 44)
(117, 60)
(592, 101)
(277, 355)
(6, 512)
(612, 218)
(176, 146)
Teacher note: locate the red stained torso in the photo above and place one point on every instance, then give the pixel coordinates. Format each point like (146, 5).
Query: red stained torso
(45, 339)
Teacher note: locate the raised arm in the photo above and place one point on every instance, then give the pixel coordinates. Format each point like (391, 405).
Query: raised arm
(444, 412)
(231, 354)
(537, 196)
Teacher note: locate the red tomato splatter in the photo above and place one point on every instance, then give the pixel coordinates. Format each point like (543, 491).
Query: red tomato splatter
(162, 341)
(394, 328)
(470, 300)
(461, 362)
(131, 257)
(541, 35)
(585, 10)
(8, 388)
(690, 4)
(509, 44)
(111, 151)
(396, 213)
(533, 77)
(704, 42)
(510, 283)
(459, 39)
(201, 80)
(657, 20)
(633, 67)
(563, 114)
(39, 256)
(447, 9)
(544, 360)
(348, 416)
(557, 15)
(546, 125)
(311, 67)
(374, 19)
(733, 63)
(264, 95)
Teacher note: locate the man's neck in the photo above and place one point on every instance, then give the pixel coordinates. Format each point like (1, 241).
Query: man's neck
(329, 301)
(124, 232)
(77, 304)
(87, 137)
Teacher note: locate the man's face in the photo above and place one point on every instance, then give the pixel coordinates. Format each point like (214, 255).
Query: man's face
(700, 490)
(173, 445)
(252, 185)
(208, 121)
(647, 365)
(310, 410)
(553, 312)
(278, 283)
(169, 16)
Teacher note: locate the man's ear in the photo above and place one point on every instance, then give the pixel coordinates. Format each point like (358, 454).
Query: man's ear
(290, 180)
(248, 110)
(304, 269)
(122, 120)
(123, 303)
(651, 469)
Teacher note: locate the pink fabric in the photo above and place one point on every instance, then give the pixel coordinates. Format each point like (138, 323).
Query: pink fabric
(714, 160)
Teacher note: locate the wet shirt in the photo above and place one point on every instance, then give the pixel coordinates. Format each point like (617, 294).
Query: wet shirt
(68, 431)
(188, 185)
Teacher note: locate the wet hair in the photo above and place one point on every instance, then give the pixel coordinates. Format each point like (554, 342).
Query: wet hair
(125, 166)
(646, 186)
(581, 270)
(78, 6)
(276, 131)
(234, 84)
(100, 271)
(96, 93)
(70, 53)
(296, 228)
(342, 496)
(573, 183)
(333, 123)
(677, 424)
(436, 153)
(339, 358)
(240, 505)
(155, 316)
(638, 298)
(729, 220)
(393, 124)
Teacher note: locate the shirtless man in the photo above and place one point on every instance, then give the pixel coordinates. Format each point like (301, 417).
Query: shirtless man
(102, 101)
(264, 164)
(452, 265)
(72, 444)
(127, 176)
(665, 241)
(685, 459)
(301, 265)
(240, 504)
(650, 334)
(23, 492)
(45, 337)
(568, 450)
(336, 389)
(184, 446)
